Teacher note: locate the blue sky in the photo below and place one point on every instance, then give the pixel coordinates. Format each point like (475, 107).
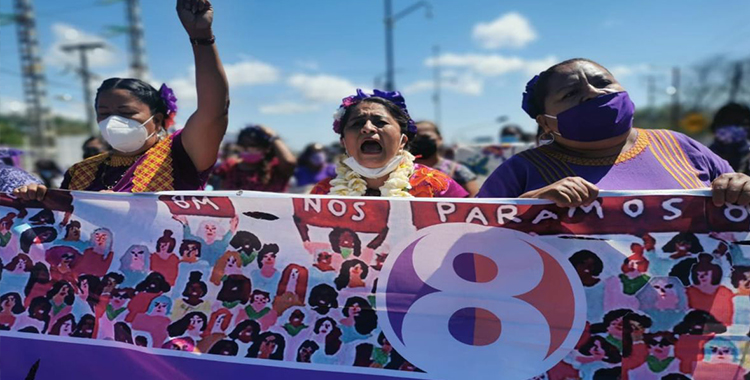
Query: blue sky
(290, 62)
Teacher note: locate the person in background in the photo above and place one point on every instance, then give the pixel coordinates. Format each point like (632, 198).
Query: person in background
(93, 146)
(427, 146)
(265, 163)
(589, 143)
(49, 172)
(313, 166)
(730, 127)
(12, 177)
(512, 133)
(134, 119)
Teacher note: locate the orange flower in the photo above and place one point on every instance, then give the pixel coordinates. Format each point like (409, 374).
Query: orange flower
(436, 179)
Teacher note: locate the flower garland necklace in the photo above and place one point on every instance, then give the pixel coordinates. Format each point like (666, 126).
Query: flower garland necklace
(349, 183)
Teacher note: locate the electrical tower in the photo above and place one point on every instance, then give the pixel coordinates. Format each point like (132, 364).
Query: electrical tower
(88, 99)
(34, 81)
(138, 66)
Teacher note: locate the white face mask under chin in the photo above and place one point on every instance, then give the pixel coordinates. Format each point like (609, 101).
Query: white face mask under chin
(374, 173)
(123, 134)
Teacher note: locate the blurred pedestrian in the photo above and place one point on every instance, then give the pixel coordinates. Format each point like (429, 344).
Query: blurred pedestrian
(313, 166)
(264, 163)
(427, 147)
(730, 127)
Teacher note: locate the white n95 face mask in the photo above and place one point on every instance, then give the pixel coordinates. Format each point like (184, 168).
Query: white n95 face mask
(123, 134)
(375, 172)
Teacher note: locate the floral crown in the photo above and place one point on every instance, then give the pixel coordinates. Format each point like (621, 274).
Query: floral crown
(394, 97)
(167, 95)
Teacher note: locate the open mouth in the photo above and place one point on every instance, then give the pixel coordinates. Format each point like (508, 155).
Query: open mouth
(371, 147)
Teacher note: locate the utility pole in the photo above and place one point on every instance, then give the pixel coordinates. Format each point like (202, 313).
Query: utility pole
(34, 80)
(676, 97)
(390, 80)
(83, 71)
(138, 66)
(736, 81)
(390, 21)
(437, 78)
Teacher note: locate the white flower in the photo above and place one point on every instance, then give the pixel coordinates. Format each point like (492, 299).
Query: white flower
(339, 113)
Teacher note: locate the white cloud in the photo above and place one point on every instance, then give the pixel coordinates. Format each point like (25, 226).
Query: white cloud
(65, 35)
(308, 64)
(465, 83)
(322, 87)
(11, 106)
(491, 65)
(509, 30)
(287, 108)
(251, 73)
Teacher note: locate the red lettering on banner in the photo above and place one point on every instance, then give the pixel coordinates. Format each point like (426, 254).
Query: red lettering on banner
(220, 207)
(359, 215)
(607, 215)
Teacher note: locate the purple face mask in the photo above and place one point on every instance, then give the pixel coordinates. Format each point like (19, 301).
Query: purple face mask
(603, 117)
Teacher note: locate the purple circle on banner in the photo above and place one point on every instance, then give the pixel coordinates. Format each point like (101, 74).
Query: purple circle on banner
(474, 267)
(475, 326)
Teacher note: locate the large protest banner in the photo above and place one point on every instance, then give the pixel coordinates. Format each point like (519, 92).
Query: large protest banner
(219, 285)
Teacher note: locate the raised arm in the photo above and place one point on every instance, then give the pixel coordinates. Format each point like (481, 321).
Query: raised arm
(205, 128)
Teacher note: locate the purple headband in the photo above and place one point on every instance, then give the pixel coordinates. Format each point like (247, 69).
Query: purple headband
(394, 97)
(527, 103)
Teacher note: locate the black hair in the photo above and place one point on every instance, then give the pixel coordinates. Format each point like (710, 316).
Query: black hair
(310, 149)
(541, 87)
(342, 281)
(18, 307)
(707, 322)
(396, 112)
(245, 238)
(55, 329)
(597, 328)
(258, 292)
(79, 332)
(242, 283)
(278, 354)
(682, 270)
(738, 274)
(73, 223)
(581, 256)
(143, 91)
(614, 373)
(224, 345)
(184, 244)
(178, 327)
(335, 236)
(267, 249)
(319, 324)
(306, 344)
(69, 299)
(434, 126)
(367, 320)
(119, 278)
(613, 353)
(123, 333)
(156, 278)
(705, 264)
(28, 236)
(731, 114)
(381, 338)
(44, 216)
(323, 298)
(235, 334)
(688, 237)
(195, 278)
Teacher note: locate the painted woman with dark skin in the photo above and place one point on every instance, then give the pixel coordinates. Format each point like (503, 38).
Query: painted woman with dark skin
(589, 144)
(134, 118)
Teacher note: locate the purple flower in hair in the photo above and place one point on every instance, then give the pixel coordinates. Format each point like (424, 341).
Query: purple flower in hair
(394, 97)
(167, 94)
(527, 103)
